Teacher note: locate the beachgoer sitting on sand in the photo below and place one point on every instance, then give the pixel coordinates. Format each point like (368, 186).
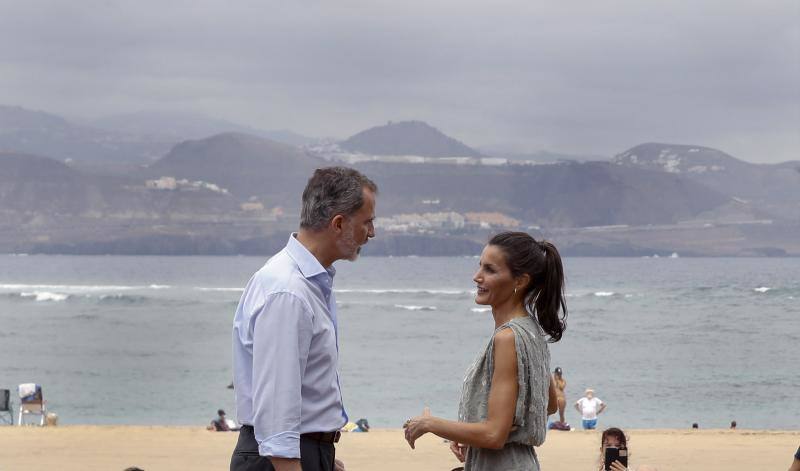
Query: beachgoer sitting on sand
(221, 424)
(589, 407)
(363, 425)
(614, 437)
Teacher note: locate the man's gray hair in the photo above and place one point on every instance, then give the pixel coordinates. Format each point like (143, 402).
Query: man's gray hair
(331, 191)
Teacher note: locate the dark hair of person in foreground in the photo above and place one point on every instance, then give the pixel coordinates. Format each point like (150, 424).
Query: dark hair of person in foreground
(544, 296)
(614, 432)
(615, 437)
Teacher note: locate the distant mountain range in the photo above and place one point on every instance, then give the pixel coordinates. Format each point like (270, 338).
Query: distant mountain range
(41, 133)
(137, 138)
(177, 127)
(567, 194)
(236, 192)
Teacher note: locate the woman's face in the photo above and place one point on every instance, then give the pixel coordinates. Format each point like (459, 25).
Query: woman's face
(494, 280)
(611, 440)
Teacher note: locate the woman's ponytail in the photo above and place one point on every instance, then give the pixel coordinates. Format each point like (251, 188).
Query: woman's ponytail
(547, 296)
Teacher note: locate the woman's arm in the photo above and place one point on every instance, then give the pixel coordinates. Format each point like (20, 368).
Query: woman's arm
(493, 432)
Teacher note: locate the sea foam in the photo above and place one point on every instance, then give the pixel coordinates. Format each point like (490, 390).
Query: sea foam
(408, 307)
(45, 296)
(481, 309)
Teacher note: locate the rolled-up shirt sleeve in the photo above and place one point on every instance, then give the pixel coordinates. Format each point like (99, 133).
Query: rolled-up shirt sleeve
(282, 332)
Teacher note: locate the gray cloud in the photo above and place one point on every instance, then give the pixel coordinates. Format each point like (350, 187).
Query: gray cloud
(580, 77)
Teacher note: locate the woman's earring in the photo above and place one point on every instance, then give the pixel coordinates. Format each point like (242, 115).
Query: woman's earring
(515, 290)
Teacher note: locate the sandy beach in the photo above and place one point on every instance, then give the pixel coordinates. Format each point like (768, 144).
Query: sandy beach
(74, 448)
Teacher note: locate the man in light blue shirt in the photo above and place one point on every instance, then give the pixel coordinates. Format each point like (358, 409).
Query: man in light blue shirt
(285, 339)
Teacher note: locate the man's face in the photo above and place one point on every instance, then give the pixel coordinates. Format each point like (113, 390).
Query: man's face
(358, 228)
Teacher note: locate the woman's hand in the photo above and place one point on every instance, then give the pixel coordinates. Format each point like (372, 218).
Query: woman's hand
(617, 466)
(459, 450)
(417, 427)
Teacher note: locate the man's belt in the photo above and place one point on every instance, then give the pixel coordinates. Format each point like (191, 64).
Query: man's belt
(325, 437)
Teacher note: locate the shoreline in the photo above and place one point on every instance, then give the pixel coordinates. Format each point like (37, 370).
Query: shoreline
(116, 447)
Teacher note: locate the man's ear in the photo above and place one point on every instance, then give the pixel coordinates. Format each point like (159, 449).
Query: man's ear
(337, 223)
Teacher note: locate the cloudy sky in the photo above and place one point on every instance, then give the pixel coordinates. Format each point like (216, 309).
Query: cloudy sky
(583, 77)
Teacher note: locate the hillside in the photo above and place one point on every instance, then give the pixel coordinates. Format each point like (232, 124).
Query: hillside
(407, 138)
(561, 195)
(588, 208)
(243, 164)
(677, 158)
(774, 188)
(35, 184)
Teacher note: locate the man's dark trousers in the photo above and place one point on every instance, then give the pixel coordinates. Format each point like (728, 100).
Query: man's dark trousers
(314, 455)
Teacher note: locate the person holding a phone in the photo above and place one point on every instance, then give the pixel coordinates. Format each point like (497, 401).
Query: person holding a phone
(614, 452)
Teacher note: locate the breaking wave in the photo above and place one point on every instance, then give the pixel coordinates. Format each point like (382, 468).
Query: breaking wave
(54, 297)
(78, 288)
(44, 296)
(415, 308)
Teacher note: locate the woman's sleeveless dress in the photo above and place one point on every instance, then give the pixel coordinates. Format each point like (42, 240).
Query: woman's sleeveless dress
(530, 416)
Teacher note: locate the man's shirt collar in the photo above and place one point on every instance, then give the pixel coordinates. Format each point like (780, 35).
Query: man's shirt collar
(306, 261)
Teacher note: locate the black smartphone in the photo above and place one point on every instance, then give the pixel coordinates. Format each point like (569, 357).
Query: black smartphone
(615, 454)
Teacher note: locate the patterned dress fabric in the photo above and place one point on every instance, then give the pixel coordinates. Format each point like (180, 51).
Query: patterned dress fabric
(530, 416)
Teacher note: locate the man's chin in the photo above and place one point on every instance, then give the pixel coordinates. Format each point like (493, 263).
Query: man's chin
(354, 256)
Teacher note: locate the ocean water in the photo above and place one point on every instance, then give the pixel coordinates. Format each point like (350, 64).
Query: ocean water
(664, 342)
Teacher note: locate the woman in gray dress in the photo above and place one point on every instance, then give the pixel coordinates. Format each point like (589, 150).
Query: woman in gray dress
(507, 393)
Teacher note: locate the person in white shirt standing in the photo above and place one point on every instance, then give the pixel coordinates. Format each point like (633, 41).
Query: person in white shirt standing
(589, 407)
(285, 333)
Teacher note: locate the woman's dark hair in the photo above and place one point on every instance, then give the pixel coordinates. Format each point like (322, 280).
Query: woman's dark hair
(617, 433)
(540, 260)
